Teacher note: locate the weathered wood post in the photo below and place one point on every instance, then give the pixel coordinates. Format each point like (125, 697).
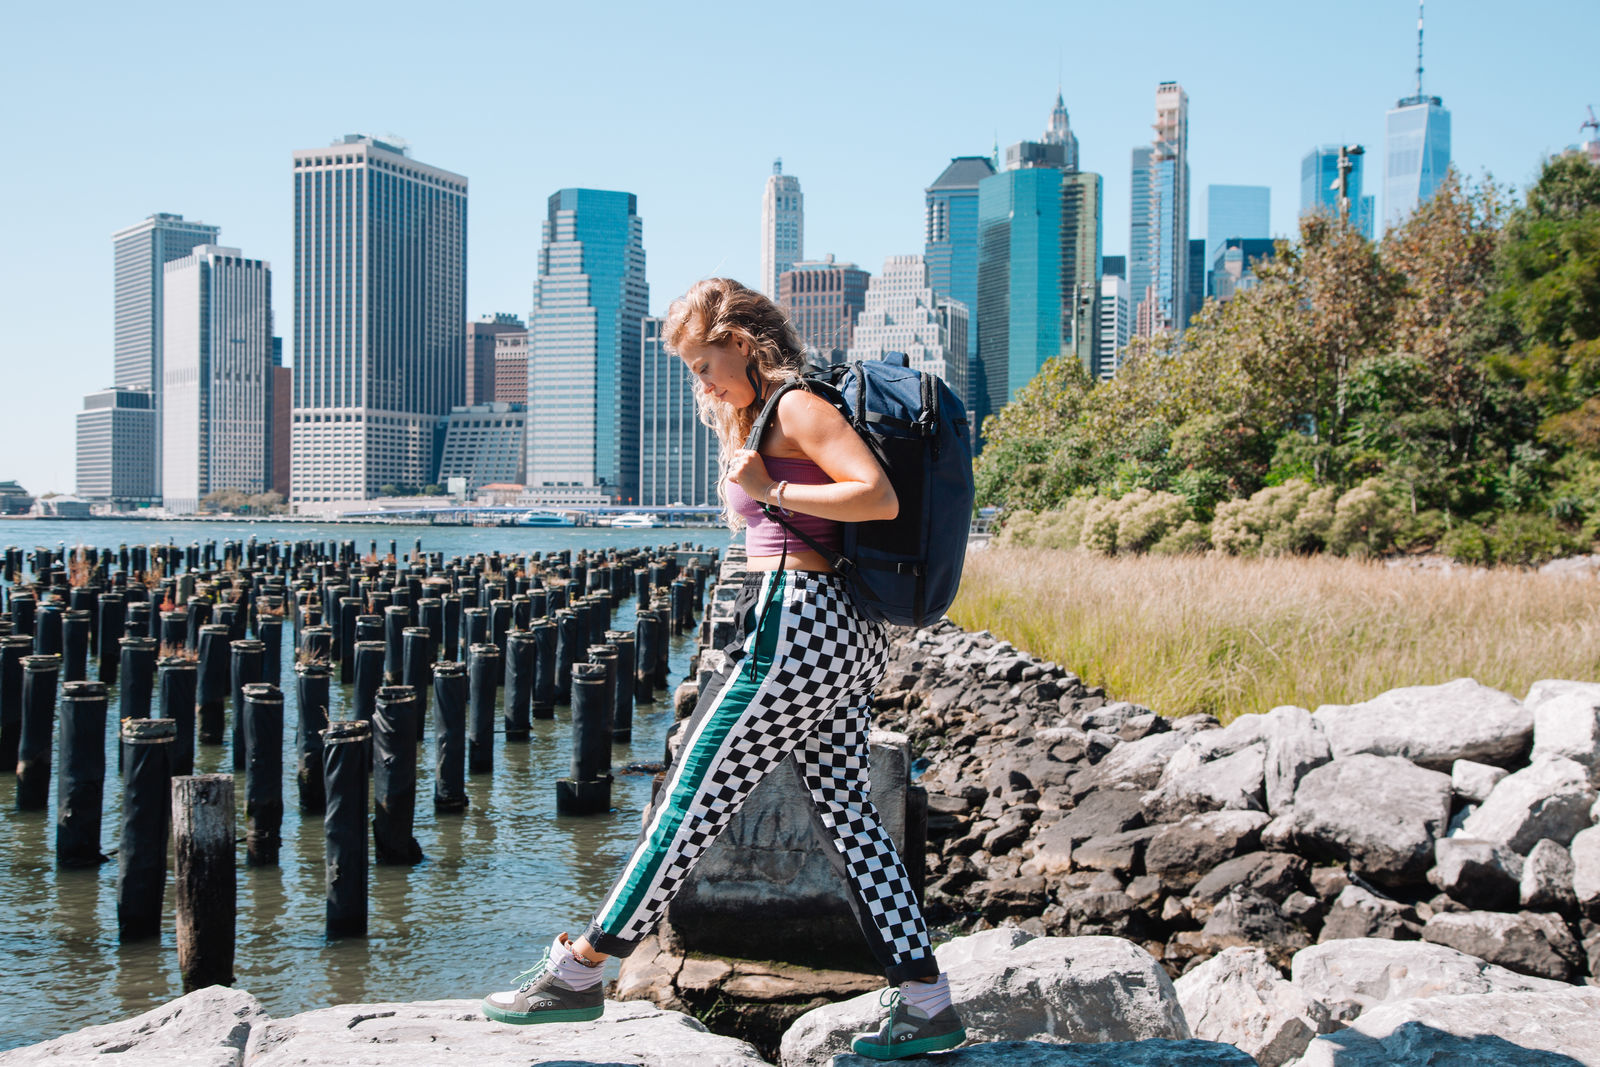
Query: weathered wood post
(246, 658)
(75, 633)
(519, 684)
(483, 666)
(543, 703)
(588, 789)
(80, 785)
(175, 700)
(142, 857)
(623, 684)
(647, 631)
(13, 648)
(369, 676)
(212, 684)
(312, 682)
(394, 775)
(206, 892)
(395, 622)
(345, 747)
(569, 648)
(39, 674)
(263, 782)
(449, 735)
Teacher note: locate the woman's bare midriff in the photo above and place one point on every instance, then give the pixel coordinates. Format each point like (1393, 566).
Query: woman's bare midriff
(804, 560)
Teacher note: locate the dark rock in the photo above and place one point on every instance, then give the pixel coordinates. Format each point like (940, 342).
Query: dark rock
(1273, 875)
(1245, 918)
(1142, 726)
(1527, 942)
(1382, 814)
(1105, 811)
(1123, 852)
(1183, 851)
(1011, 830)
(1546, 883)
(1010, 897)
(1360, 912)
(1480, 874)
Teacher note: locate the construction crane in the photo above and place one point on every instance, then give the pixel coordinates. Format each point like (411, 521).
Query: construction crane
(1591, 123)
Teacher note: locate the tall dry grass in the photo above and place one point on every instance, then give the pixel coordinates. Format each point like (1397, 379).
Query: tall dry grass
(1228, 635)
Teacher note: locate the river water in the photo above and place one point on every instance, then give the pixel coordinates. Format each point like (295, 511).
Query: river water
(498, 881)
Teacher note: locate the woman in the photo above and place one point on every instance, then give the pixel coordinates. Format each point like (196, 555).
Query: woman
(799, 683)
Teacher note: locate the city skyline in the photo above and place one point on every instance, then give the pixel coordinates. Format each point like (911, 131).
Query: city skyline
(865, 169)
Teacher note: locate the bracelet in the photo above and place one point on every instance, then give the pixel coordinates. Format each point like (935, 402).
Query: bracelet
(777, 497)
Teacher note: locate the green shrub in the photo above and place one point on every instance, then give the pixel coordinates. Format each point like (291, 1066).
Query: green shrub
(1190, 538)
(1466, 542)
(1364, 523)
(1100, 520)
(1148, 519)
(1529, 539)
(1422, 530)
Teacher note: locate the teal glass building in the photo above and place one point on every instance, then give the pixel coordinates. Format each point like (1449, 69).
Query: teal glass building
(950, 251)
(1319, 177)
(584, 343)
(1019, 280)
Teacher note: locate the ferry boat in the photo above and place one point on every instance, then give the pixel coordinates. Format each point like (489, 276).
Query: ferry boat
(542, 518)
(635, 522)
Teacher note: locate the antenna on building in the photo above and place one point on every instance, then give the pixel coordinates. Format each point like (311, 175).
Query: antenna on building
(1419, 49)
(777, 165)
(1591, 123)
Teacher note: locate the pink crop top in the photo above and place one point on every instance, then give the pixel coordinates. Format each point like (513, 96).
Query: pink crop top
(765, 537)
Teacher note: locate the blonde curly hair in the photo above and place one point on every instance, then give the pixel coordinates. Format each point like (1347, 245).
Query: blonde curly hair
(718, 311)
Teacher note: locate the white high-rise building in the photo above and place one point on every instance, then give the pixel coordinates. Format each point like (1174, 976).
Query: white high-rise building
(216, 382)
(1116, 324)
(903, 314)
(678, 454)
(783, 228)
(1416, 148)
(380, 306)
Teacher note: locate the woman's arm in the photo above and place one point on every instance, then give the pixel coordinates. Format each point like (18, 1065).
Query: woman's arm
(807, 425)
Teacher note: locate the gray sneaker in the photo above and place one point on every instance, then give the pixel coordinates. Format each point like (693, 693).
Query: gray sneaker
(541, 997)
(908, 1032)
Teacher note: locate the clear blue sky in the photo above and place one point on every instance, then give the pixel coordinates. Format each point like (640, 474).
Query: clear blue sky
(114, 111)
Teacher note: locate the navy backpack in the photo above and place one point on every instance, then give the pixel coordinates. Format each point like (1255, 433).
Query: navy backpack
(903, 570)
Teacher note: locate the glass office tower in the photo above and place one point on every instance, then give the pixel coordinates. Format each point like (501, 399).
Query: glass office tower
(1416, 155)
(583, 344)
(1319, 177)
(950, 251)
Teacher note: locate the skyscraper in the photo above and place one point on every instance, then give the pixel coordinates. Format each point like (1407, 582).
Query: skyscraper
(904, 313)
(1235, 211)
(1196, 296)
(481, 371)
(822, 298)
(1116, 325)
(380, 292)
(951, 249)
(1158, 241)
(1416, 148)
(783, 227)
(216, 394)
(678, 454)
(1039, 251)
(139, 254)
(117, 431)
(583, 344)
(1319, 191)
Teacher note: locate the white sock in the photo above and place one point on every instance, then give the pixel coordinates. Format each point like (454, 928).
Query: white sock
(570, 969)
(930, 998)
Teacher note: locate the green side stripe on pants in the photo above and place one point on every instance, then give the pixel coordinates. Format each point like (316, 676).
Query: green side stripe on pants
(697, 756)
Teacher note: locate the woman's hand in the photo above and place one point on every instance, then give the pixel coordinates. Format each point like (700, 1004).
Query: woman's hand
(750, 473)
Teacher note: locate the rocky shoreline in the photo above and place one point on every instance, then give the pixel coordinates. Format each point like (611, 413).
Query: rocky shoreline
(1413, 879)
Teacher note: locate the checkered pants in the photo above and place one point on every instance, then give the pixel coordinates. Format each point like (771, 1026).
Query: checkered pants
(800, 684)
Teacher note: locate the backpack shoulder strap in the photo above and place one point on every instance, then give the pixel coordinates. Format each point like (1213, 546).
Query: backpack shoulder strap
(758, 429)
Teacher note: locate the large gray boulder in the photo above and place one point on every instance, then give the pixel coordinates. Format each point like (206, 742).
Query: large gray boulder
(454, 1031)
(1586, 870)
(1042, 989)
(1546, 883)
(1567, 725)
(1152, 1053)
(1479, 874)
(1432, 725)
(1238, 997)
(1379, 813)
(1550, 798)
(1191, 784)
(1474, 781)
(210, 1027)
(1528, 942)
(1351, 977)
(1549, 688)
(1182, 852)
(1296, 745)
(1550, 1029)
(1138, 763)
